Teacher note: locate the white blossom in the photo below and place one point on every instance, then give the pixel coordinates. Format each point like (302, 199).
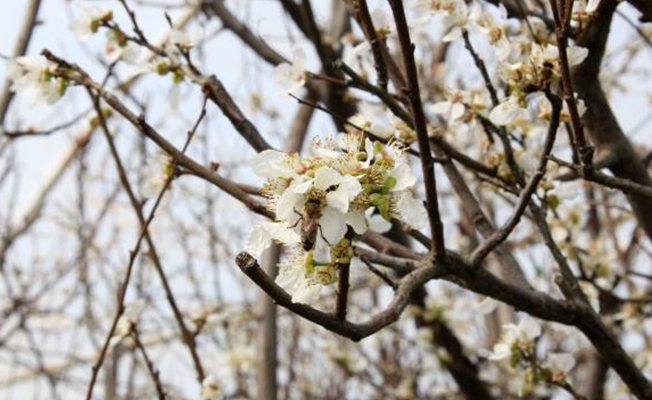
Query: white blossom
(506, 112)
(211, 389)
(559, 364)
(376, 222)
(374, 120)
(292, 74)
(575, 54)
(88, 21)
(129, 318)
(186, 39)
(455, 15)
(452, 109)
(116, 49)
(525, 332)
(33, 77)
(411, 211)
(349, 184)
(487, 306)
(272, 164)
(292, 278)
(265, 233)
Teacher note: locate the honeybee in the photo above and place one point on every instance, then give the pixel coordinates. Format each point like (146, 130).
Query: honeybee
(310, 223)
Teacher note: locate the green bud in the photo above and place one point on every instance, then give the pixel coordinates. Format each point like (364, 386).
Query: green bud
(121, 38)
(162, 68)
(95, 25)
(178, 76)
(309, 264)
(552, 201)
(62, 85)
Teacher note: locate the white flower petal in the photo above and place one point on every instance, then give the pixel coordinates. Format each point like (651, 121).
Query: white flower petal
(443, 107)
(338, 199)
(327, 154)
(321, 254)
(351, 185)
(412, 211)
(530, 328)
(326, 177)
(288, 206)
(282, 233)
(333, 225)
(307, 293)
(592, 6)
(457, 111)
(262, 236)
(377, 223)
(576, 55)
(487, 306)
(560, 362)
(304, 187)
(404, 176)
(290, 278)
(500, 352)
(505, 112)
(453, 35)
(356, 220)
(272, 164)
(259, 240)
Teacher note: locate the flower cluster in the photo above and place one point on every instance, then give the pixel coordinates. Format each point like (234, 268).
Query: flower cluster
(519, 344)
(455, 14)
(347, 186)
(34, 77)
(517, 340)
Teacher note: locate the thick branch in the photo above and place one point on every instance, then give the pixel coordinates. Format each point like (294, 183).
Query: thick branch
(599, 120)
(20, 48)
(421, 127)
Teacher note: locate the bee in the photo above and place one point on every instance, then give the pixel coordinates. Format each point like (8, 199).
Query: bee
(310, 223)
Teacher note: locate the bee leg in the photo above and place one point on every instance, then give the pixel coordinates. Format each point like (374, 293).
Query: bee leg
(299, 220)
(321, 233)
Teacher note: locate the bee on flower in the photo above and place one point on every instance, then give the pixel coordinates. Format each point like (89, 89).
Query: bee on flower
(348, 185)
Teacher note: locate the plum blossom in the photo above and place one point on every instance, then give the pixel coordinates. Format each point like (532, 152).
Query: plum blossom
(521, 335)
(485, 23)
(263, 234)
(452, 109)
(487, 306)
(575, 54)
(455, 15)
(412, 211)
(347, 186)
(34, 77)
(186, 39)
(299, 277)
(583, 9)
(129, 319)
(376, 222)
(211, 389)
(506, 112)
(559, 364)
(272, 164)
(119, 48)
(88, 22)
(545, 109)
(292, 74)
(373, 120)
